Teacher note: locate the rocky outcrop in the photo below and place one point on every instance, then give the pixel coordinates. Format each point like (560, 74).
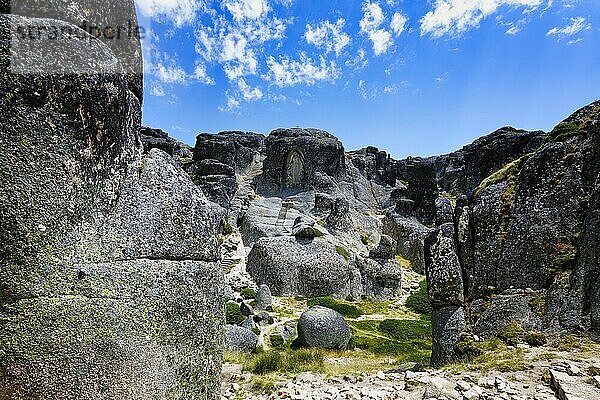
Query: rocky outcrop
(158, 139)
(109, 275)
(523, 248)
(323, 328)
(462, 171)
(235, 149)
(299, 159)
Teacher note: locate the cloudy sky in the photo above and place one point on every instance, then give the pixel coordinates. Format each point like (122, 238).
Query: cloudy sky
(414, 77)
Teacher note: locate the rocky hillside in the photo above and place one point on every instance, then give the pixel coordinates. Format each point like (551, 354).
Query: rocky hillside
(505, 227)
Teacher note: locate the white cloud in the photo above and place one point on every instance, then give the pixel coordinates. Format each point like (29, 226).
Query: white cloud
(330, 36)
(399, 21)
(286, 72)
(201, 75)
(249, 93)
(574, 41)
(171, 73)
(180, 12)
(373, 18)
(455, 17)
(157, 90)
(360, 61)
(247, 9)
(577, 25)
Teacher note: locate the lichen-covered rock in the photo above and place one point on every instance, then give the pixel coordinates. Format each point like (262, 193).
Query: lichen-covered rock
(385, 250)
(410, 236)
(295, 158)
(264, 300)
(448, 323)
(291, 267)
(158, 139)
(443, 269)
(239, 339)
(111, 289)
(512, 305)
(114, 23)
(324, 328)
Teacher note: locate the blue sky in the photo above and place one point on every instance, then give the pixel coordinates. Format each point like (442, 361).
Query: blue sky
(411, 77)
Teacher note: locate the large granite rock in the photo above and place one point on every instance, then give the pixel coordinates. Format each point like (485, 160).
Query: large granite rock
(324, 328)
(309, 268)
(158, 139)
(109, 274)
(448, 323)
(299, 159)
(114, 23)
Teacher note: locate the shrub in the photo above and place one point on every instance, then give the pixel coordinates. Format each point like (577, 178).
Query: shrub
(276, 341)
(401, 329)
(248, 294)
(511, 334)
(364, 239)
(343, 252)
(535, 338)
(233, 314)
(419, 300)
(227, 229)
(347, 310)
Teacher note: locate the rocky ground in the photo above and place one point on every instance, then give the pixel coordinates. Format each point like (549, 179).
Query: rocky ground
(546, 374)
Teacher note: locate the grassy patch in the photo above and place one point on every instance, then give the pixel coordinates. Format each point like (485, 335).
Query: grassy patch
(364, 239)
(369, 307)
(227, 229)
(535, 339)
(564, 131)
(248, 294)
(233, 314)
(489, 355)
(404, 263)
(565, 257)
(288, 361)
(419, 300)
(511, 334)
(347, 310)
(509, 170)
(342, 251)
(402, 329)
(404, 340)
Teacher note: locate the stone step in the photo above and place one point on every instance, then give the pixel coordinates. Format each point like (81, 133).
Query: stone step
(569, 387)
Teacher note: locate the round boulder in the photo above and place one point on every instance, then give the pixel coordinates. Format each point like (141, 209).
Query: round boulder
(323, 328)
(239, 339)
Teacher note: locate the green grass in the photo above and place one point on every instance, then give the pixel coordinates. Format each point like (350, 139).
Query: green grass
(404, 340)
(488, 355)
(288, 361)
(233, 314)
(248, 294)
(402, 329)
(564, 131)
(342, 251)
(364, 239)
(535, 338)
(227, 229)
(419, 300)
(512, 334)
(347, 310)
